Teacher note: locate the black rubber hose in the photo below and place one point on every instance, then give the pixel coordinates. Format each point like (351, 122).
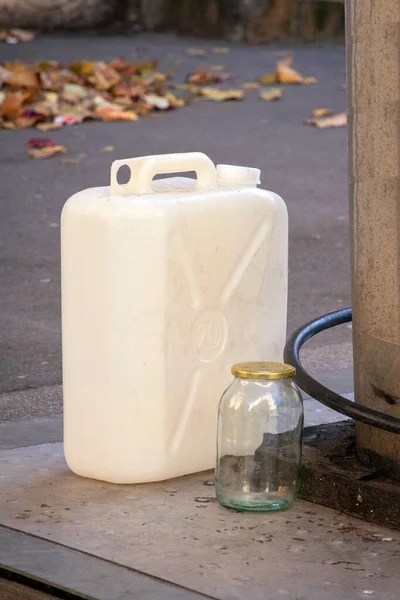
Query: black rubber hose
(318, 391)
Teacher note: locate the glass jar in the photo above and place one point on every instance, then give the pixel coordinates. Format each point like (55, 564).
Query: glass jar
(260, 425)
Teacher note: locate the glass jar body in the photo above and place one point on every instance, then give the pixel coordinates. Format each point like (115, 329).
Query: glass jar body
(260, 425)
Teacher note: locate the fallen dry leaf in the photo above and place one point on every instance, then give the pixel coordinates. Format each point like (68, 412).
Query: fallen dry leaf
(268, 78)
(9, 125)
(287, 75)
(48, 95)
(22, 35)
(112, 114)
(144, 109)
(271, 94)
(40, 143)
(43, 148)
(158, 102)
(337, 120)
(17, 79)
(11, 107)
(23, 122)
(13, 36)
(104, 77)
(220, 50)
(70, 115)
(218, 67)
(174, 101)
(150, 65)
(73, 93)
(83, 67)
(251, 85)
(196, 52)
(107, 149)
(202, 76)
(322, 112)
(221, 95)
(118, 64)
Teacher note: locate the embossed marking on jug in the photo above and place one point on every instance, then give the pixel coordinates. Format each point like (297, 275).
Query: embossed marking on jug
(209, 334)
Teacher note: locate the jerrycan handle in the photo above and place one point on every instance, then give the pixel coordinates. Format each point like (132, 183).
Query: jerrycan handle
(144, 169)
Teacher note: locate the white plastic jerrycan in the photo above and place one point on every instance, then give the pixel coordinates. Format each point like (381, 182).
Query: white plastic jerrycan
(165, 285)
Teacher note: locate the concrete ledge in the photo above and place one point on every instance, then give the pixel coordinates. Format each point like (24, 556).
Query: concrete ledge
(333, 476)
(53, 568)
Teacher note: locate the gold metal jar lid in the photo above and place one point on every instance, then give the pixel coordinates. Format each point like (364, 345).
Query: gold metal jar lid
(263, 370)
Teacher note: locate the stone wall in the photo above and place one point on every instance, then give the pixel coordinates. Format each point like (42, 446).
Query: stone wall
(206, 17)
(53, 14)
(235, 20)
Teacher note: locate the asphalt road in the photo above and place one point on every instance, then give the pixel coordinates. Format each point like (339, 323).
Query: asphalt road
(306, 166)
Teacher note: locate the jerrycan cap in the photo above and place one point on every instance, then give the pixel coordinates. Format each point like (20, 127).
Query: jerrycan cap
(231, 175)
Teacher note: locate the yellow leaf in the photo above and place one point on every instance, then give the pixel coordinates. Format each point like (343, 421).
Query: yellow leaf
(287, 75)
(112, 114)
(174, 101)
(220, 50)
(83, 67)
(107, 149)
(16, 66)
(271, 94)
(104, 77)
(338, 120)
(221, 95)
(251, 85)
(51, 97)
(47, 65)
(268, 78)
(322, 112)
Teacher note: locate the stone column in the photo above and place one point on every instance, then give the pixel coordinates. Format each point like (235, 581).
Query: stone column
(373, 54)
